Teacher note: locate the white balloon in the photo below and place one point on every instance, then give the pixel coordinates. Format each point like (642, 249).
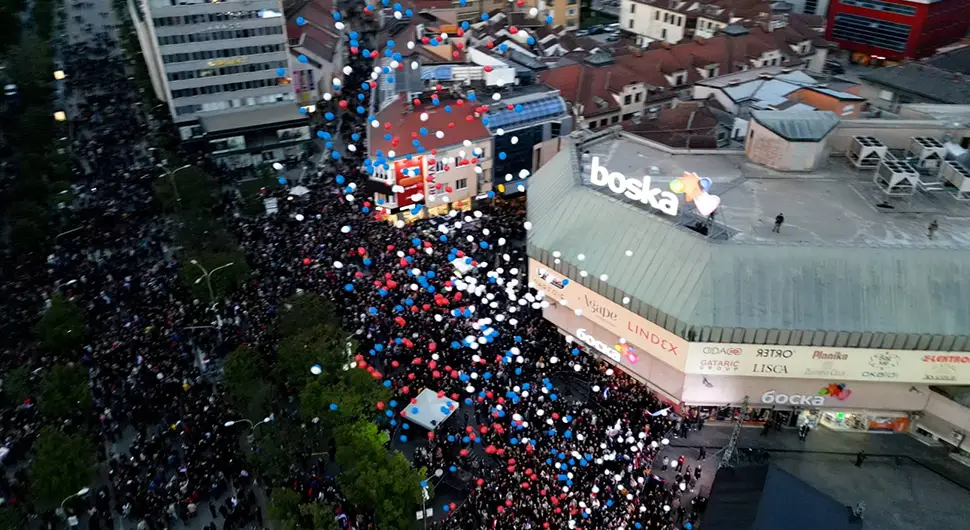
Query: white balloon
(339, 25)
(338, 265)
(424, 116)
(515, 140)
(497, 96)
(348, 70)
(527, 225)
(533, 12)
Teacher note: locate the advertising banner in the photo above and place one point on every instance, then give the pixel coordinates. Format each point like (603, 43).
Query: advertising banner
(804, 393)
(409, 176)
(820, 362)
(641, 334)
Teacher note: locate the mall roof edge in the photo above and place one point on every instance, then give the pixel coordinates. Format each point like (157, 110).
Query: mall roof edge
(900, 298)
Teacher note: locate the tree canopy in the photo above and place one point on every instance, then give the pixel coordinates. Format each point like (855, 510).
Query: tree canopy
(320, 345)
(245, 377)
(64, 392)
(350, 399)
(62, 327)
(62, 465)
(305, 311)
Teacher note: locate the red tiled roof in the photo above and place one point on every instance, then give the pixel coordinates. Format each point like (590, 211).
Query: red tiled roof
(671, 126)
(404, 123)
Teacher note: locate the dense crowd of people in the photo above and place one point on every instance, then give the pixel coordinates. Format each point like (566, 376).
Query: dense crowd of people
(545, 436)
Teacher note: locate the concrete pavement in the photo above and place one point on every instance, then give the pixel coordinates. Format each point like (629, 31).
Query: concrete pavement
(925, 488)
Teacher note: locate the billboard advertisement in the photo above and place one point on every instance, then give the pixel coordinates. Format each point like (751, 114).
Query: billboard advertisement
(409, 178)
(822, 362)
(641, 334)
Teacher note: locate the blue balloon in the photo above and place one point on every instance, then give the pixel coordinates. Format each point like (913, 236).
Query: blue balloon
(300, 21)
(282, 180)
(302, 58)
(281, 71)
(333, 406)
(337, 15)
(348, 287)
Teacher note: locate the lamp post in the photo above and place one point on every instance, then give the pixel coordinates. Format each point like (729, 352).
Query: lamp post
(207, 276)
(80, 493)
(171, 178)
(252, 429)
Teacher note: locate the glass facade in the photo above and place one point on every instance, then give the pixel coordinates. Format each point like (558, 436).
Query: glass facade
(518, 155)
(871, 31)
(879, 5)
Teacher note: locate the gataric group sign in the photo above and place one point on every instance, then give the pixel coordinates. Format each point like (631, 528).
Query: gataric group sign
(643, 335)
(821, 362)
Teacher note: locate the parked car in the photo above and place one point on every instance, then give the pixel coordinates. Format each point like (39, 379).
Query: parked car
(595, 30)
(582, 33)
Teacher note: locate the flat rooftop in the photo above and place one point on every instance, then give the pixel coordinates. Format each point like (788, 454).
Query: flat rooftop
(833, 206)
(839, 264)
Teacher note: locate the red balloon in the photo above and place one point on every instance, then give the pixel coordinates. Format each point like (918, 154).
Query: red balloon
(431, 435)
(380, 405)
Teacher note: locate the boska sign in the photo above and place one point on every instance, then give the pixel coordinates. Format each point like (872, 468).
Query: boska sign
(597, 345)
(635, 190)
(772, 398)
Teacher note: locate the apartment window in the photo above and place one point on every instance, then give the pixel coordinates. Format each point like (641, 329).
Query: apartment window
(380, 198)
(437, 167)
(615, 119)
(630, 23)
(627, 99)
(656, 15)
(571, 12)
(555, 129)
(638, 97)
(633, 8)
(879, 5)
(663, 34)
(461, 184)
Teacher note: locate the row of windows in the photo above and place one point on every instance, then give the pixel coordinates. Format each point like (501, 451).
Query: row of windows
(879, 5)
(234, 103)
(224, 53)
(225, 70)
(669, 18)
(205, 36)
(875, 32)
(226, 87)
(202, 19)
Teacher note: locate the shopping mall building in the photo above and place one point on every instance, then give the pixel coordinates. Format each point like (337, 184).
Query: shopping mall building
(844, 317)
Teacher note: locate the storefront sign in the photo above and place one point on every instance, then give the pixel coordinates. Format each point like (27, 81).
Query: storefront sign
(814, 362)
(773, 398)
(600, 346)
(409, 187)
(635, 190)
(228, 62)
(620, 321)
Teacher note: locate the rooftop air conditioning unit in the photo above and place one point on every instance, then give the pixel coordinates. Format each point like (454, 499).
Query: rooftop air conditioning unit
(896, 178)
(927, 152)
(954, 174)
(866, 152)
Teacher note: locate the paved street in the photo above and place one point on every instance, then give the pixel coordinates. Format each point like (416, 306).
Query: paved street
(927, 489)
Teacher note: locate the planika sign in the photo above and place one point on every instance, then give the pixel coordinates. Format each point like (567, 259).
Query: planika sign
(635, 190)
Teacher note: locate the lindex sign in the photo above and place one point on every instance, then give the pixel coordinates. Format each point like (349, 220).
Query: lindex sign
(773, 398)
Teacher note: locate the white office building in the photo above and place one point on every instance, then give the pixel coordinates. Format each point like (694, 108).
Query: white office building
(221, 68)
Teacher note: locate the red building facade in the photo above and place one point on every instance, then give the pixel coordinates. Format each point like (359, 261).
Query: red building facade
(897, 29)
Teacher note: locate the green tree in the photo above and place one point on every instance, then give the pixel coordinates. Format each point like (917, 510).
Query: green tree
(355, 395)
(319, 345)
(11, 518)
(62, 326)
(284, 505)
(32, 66)
(197, 190)
(305, 311)
(62, 465)
(283, 444)
(201, 232)
(375, 480)
(249, 390)
(16, 386)
(64, 392)
(318, 516)
(224, 281)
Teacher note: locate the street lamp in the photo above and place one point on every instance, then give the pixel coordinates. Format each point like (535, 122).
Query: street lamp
(59, 75)
(267, 419)
(171, 178)
(80, 493)
(207, 275)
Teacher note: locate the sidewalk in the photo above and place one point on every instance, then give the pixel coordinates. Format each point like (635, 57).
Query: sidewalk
(827, 441)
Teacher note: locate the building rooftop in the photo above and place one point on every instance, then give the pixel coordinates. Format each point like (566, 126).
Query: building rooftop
(406, 126)
(798, 125)
(840, 263)
(250, 117)
(956, 61)
(923, 79)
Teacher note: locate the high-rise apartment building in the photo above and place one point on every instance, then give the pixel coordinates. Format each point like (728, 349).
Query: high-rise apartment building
(221, 67)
